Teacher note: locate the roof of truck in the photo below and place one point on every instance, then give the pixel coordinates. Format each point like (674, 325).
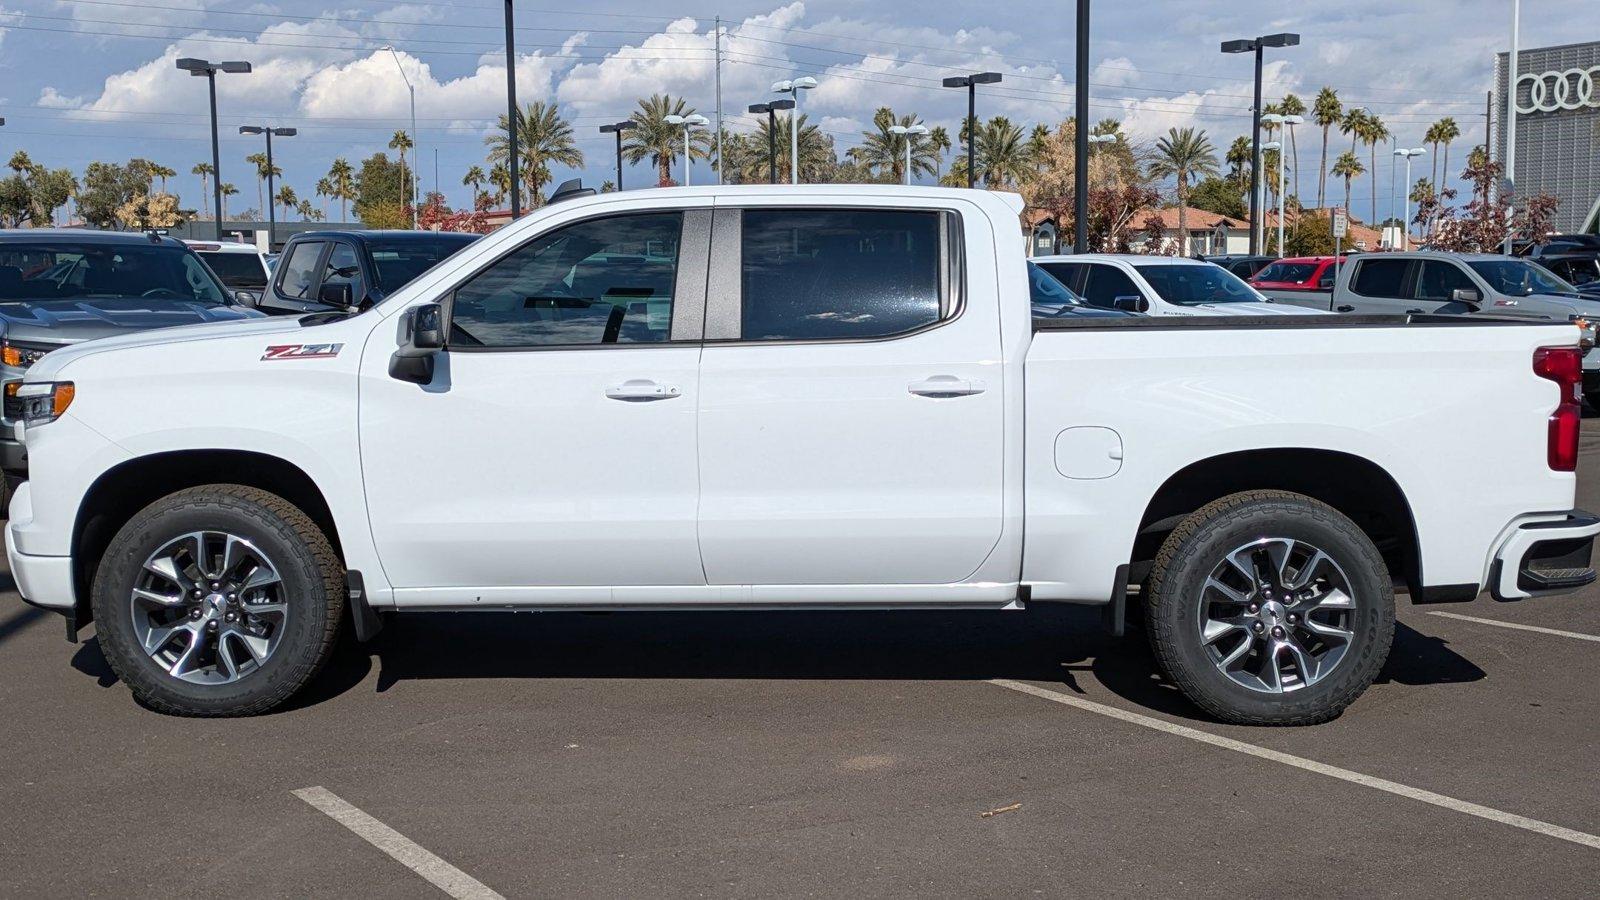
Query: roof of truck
(1139, 258)
(83, 236)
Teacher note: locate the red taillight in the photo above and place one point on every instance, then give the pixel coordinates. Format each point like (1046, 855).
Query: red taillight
(1564, 366)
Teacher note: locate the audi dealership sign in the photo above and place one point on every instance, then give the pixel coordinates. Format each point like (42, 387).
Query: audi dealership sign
(1551, 91)
(1556, 95)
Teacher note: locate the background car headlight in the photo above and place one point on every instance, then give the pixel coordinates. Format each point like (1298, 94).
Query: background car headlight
(20, 356)
(43, 401)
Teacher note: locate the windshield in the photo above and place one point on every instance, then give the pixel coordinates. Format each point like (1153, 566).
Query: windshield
(1292, 272)
(1519, 278)
(1188, 285)
(1047, 290)
(67, 271)
(237, 270)
(398, 262)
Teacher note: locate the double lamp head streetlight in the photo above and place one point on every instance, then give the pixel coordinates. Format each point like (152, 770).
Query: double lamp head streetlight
(794, 86)
(272, 203)
(1257, 45)
(689, 123)
(1278, 120)
(617, 128)
(1405, 224)
(971, 82)
(770, 110)
(201, 68)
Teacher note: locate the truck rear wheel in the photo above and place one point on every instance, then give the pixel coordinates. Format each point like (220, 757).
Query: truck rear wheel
(221, 600)
(1270, 608)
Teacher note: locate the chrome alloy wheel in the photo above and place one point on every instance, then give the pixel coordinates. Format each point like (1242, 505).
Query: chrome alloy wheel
(209, 607)
(1276, 615)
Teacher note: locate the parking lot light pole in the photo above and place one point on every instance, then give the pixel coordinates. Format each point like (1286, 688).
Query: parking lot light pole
(909, 133)
(1266, 148)
(794, 86)
(617, 128)
(971, 82)
(208, 70)
(771, 111)
(416, 146)
(1405, 223)
(689, 123)
(272, 203)
(1256, 46)
(511, 116)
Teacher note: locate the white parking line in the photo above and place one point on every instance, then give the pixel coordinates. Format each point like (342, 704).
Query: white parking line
(441, 874)
(1310, 765)
(1555, 631)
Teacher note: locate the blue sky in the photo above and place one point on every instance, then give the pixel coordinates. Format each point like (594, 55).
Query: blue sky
(94, 79)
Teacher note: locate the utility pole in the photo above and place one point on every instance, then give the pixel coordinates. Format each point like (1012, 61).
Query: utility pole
(511, 116)
(719, 100)
(1511, 120)
(1080, 174)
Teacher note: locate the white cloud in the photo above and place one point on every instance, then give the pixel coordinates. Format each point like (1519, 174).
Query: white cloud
(52, 99)
(368, 88)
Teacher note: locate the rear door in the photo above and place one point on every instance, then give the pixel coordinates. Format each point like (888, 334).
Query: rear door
(1379, 285)
(1107, 285)
(851, 405)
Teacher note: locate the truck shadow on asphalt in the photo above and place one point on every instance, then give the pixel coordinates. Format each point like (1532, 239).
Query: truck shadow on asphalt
(1056, 644)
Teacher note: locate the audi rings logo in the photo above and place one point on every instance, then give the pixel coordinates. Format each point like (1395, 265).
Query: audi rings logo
(1564, 89)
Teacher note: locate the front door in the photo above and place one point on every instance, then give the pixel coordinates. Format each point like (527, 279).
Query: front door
(555, 446)
(851, 411)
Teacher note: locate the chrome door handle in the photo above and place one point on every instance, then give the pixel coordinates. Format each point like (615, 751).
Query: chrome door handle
(946, 386)
(640, 390)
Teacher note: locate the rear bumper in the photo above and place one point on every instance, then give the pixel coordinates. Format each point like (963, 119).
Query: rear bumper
(1542, 558)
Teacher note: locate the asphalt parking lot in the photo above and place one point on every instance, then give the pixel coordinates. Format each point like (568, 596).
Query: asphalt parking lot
(748, 754)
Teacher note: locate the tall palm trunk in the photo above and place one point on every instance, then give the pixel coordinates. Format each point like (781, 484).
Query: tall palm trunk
(1294, 152)
(1373, 147)
(205, 198)
(1347, 194)
(1322, 172)
(261, 195)
(1183, 214)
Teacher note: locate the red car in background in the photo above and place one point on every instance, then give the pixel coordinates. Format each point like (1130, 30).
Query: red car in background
(1302, 273)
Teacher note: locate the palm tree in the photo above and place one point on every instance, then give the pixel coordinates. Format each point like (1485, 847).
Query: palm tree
(543, 138)
(474, 179)
(883, 153)
(500, 177)
(1347, 166)
(1239, 161)
(1293, 106)
(325, 188)
(342, 178)
(1373, 133)
(227, 190)
(1448, 131)
(661, 142)
(816, 152)
(287, 199)
(309, 213)
(1432, 137)
(401, 142)
(163, 173)
(1326, 112)
(1184, 155)
(1003, 157)
(205, 171)
(263, 170)
(939, 140)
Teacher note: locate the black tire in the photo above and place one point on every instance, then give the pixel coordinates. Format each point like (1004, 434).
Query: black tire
(1201, 541)
(312, 580)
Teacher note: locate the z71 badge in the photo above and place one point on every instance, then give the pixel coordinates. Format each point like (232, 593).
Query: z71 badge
(302, 351)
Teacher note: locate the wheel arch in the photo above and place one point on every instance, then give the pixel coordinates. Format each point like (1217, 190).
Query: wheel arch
(130, 486)
(1357, 487)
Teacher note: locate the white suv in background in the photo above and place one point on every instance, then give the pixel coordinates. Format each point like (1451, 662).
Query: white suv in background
(1161, 285)
(240, 266)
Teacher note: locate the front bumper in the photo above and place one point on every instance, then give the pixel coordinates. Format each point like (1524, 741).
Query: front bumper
(1542, 558)
(41, 580)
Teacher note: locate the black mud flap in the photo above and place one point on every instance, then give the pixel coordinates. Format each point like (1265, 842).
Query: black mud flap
(366, 619)
(1115, 613)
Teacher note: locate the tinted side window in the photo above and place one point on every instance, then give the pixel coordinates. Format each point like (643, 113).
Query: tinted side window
(1063, 272)
(821, 274)
(601, 281)
(1106, 284)
(1439, 278)
(1380, 277)
(344, 268)
(300, 270)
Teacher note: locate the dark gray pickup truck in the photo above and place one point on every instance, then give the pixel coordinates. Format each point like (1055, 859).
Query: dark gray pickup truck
(63, 286)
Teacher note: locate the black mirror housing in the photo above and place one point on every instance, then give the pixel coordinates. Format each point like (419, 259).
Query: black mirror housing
(423, 339)
(339, 295)
(247, 298)
(1131, 303)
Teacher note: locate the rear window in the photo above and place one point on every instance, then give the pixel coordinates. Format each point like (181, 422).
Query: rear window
(237, 270)
(399, 262)
(1287, 272)
(1198, 283)
(1380, 277)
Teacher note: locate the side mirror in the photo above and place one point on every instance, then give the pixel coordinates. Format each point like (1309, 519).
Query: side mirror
(423, 338)
(1466, 295)
(247, 298)
(1131, 303)
(1325, 283)
(336, 295)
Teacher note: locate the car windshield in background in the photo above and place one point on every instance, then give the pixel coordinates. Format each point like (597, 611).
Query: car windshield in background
(237, 270)
(398, 262)
(1293, 273)
(66, 271)
(1519, 278)
(1047, 290)
(1189, 285)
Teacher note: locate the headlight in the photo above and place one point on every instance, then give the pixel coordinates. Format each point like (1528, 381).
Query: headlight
(43, 401)
(20, 356)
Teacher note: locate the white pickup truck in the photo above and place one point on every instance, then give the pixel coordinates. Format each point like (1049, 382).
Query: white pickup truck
(816, 397)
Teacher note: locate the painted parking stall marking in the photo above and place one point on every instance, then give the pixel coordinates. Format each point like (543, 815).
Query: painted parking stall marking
(408, 853)
(1310, 765)
(1575, 635)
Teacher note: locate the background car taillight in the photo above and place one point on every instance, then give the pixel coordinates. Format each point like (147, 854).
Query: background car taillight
(1564, 366)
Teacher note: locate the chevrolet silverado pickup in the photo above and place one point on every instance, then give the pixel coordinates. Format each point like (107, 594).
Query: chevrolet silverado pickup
(798, 398)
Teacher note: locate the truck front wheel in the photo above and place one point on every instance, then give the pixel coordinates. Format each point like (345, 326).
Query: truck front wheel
(221, 600)
(1270, 608)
